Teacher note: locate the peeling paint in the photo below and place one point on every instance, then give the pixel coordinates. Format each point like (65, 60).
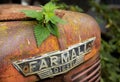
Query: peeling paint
(1, 42)
(3, 30)
(28, 41)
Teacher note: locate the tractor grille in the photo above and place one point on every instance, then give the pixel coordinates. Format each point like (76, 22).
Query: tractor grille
(89, 74)
(88, 71)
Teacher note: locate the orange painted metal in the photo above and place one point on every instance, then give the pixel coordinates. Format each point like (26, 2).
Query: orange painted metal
(17, 40)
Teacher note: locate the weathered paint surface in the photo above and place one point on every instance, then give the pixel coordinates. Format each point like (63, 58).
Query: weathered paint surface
(17, 39)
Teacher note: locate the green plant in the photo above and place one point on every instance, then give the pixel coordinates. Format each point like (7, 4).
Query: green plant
(110, 64)
(47, 21)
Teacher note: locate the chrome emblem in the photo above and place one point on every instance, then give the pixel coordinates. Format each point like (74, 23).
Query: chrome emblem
(55, 63)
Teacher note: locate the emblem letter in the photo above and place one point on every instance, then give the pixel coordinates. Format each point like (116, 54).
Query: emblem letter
(32, 65)
(65, 57)
(43, 64)
(73, 54)
(54, 60)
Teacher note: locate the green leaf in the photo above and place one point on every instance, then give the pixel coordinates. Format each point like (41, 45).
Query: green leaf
(49, 7)
(53, 29)
(41, 33)
(56, 20)
(33, 14)
(48, 15)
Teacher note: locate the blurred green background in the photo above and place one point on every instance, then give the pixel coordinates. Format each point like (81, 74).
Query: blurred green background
(107, 14)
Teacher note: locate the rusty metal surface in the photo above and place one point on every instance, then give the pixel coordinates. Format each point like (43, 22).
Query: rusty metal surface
(12, 11)
(17, 40)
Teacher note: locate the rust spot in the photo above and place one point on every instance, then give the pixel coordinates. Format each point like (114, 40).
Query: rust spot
(26, 69)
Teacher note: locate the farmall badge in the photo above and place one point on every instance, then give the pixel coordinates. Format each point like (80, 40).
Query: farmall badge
(55, 63)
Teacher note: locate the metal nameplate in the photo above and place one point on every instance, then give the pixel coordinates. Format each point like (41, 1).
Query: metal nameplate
(55, 63)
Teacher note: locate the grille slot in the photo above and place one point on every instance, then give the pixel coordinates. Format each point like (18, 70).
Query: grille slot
(90, 74)
(95, 78)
